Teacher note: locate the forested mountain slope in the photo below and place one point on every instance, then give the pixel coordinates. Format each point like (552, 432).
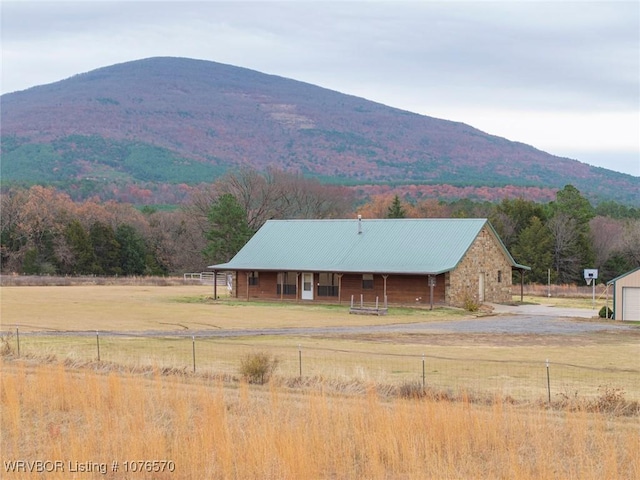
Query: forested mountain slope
(160, 122)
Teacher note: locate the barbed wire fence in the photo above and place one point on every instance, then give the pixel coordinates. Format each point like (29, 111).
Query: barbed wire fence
(517, 379)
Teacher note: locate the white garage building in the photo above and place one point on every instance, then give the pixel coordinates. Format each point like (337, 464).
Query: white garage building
(626, 296)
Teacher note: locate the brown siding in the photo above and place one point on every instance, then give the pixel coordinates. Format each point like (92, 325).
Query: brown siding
(401, 289)
(267, 287)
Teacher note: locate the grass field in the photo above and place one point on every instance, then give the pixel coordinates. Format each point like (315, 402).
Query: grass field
(507, 364)
(484, 414)
(135, 308)
(184, 428)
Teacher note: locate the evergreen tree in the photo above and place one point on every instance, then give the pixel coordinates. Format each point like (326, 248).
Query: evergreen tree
(229, 229)
(511, 217)
(615, 266)
(534, 249)
(133, 250)
(570, 201)
(106, 249)
(83, 257)
(30, 264)
(396, 210)
(569, 225)
(41, 258)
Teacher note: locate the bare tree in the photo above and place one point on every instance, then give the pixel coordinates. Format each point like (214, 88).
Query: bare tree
(630, 242)
(566, 258)
(606, 238)
(300, 197)
(431, 208)
(258, 194)
(279, 194)
(12, 240)
(198, 205)
(506, 227)
(177, 241)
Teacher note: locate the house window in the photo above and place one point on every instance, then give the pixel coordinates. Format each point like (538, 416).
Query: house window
(328, 285)
(367, 281)
(287, 283)
(499, 276)
(253, 278)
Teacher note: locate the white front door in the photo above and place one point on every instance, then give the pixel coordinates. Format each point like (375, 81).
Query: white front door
(481, 288)
(307, 286)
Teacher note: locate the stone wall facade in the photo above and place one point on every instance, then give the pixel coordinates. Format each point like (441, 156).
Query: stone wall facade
(483, 275)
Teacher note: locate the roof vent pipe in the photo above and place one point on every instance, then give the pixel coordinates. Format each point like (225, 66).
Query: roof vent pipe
(359, 224)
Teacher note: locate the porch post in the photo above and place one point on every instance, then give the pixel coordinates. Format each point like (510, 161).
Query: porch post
(247, 277)
(432, 281)
(384, 283)
(215, 285)
(521, 285)
(339, 287)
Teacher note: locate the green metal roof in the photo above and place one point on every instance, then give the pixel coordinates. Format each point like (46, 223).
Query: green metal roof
(420, 246)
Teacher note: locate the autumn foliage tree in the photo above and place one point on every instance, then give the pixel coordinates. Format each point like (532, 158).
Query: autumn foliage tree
(43, 231)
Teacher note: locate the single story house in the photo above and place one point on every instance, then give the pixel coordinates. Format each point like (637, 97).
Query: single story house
(626, 296)
(402, 261)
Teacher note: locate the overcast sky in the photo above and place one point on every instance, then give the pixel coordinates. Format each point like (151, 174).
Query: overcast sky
(561, 76)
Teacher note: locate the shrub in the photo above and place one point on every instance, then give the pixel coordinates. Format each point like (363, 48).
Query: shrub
(612, 400)
(470, 304)
(258, 367)
(605, 312)
(411, 390)
(6, 346)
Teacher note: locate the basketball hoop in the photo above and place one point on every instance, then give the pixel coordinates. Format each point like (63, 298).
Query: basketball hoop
(590, 275)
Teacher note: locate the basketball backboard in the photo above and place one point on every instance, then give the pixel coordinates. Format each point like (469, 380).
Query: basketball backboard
(590, 275)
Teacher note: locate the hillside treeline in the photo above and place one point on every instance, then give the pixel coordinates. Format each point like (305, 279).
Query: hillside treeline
(43, 231)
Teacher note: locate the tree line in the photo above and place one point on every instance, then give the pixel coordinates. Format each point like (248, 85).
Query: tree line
(43, 231)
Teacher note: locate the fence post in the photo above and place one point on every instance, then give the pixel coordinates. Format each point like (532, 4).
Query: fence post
(193, 348)
(98, 343)
(18, 339)
(548, 383)
(300, 358)
(423, 373)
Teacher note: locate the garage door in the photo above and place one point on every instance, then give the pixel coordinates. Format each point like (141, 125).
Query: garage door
(631, 303)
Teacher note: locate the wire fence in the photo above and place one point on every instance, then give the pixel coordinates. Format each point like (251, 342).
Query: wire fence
(541, 379)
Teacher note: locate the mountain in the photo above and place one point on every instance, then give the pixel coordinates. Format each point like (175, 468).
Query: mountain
(169, 121)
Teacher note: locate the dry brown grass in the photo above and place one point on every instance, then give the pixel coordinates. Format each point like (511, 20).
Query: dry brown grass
(171, 307)
(216, 432)
(500, 363)
(343, 419)
(516, 367)
(66, 281)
